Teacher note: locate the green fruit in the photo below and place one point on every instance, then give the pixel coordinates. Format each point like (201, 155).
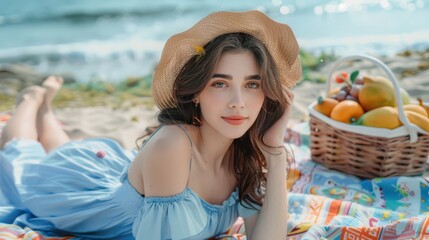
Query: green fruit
(376, 94)
(405, 97)
(377, 79)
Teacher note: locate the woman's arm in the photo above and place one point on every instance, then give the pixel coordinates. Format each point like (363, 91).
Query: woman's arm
(271, 222)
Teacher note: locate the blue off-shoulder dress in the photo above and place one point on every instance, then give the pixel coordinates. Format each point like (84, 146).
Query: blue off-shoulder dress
(81, 189)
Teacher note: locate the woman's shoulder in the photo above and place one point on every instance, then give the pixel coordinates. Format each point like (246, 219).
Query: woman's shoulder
(169, 137)
(165, 160)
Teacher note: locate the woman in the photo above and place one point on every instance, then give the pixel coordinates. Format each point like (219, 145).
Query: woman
(223, 92)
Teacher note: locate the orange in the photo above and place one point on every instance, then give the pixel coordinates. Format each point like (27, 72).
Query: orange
(347, 111)
(325, 106)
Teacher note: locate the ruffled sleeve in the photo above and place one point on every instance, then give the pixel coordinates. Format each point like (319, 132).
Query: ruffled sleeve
(246, 210)
(177, 217)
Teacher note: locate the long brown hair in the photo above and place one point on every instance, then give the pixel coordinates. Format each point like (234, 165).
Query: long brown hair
(248, 162)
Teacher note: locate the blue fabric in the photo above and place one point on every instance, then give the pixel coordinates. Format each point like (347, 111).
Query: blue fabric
(82, 189)
(246, 210)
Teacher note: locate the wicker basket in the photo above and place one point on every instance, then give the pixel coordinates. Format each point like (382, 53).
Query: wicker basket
(365, 151)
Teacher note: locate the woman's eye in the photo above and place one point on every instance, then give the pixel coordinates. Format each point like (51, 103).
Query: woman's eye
(218, 84)
(253, 85)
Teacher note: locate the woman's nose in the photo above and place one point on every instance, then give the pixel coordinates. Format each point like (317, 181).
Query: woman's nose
(236, 100)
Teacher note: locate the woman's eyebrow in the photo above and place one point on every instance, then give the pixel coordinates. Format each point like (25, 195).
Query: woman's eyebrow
(221, 75)
(229, 77)
(253, 77)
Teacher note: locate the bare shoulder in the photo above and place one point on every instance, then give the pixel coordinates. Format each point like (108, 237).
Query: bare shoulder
(170, 137)
(164, 160)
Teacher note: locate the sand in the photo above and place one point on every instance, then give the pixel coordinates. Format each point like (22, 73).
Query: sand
(124, 125)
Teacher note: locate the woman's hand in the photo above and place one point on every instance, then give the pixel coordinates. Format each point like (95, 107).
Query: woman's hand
(274, 137)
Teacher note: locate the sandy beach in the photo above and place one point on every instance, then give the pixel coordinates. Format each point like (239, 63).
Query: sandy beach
(124, 125)
(128, 122)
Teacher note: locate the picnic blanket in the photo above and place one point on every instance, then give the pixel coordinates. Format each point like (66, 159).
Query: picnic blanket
(327, 204)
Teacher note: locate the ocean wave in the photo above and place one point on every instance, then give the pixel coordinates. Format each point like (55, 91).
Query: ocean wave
(388, 44)
(136, 48)
(82, 51)
(115, 60)
(88, 16)
(109, 61)
(160, 9)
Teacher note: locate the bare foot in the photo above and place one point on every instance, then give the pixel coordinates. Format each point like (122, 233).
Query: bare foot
(34, 94)
(50, 133)
(52, 84)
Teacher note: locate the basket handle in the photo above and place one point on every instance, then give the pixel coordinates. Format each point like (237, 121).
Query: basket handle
(412, 129)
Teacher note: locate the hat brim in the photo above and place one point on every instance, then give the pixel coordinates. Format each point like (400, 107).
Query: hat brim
(277, 37)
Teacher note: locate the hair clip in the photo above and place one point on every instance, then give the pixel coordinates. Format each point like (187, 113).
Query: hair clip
(199, 51)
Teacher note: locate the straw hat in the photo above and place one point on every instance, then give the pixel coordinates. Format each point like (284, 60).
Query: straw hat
(278, 38)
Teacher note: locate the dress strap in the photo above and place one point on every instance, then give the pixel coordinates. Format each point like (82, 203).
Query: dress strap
(147, 140)
(190, 160)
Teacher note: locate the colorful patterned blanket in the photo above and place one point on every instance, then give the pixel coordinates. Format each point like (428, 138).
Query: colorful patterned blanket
(326, 204)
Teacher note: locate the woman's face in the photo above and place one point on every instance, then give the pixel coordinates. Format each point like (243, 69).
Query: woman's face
(232, 98)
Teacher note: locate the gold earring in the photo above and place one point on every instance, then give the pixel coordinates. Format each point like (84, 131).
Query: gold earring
(195, 120)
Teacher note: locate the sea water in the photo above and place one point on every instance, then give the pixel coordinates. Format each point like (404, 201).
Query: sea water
(111, 39)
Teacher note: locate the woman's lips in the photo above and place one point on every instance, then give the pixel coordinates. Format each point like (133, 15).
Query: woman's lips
(234, 120)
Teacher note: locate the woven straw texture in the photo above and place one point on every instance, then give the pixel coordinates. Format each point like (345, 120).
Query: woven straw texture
(277, 37)
(367, 156)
